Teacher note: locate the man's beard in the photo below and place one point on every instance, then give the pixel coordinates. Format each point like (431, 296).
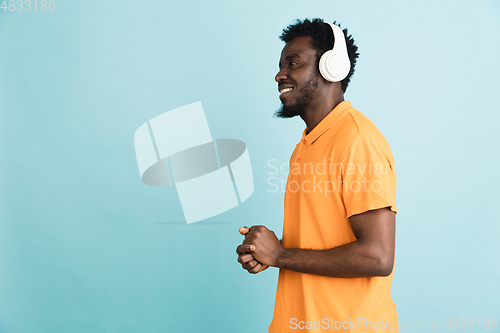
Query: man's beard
(301, 102)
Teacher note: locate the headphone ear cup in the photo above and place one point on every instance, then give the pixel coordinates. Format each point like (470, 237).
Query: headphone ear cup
(334, 67)
(323, 66)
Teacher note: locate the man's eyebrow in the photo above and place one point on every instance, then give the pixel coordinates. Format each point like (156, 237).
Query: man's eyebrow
(289, 57)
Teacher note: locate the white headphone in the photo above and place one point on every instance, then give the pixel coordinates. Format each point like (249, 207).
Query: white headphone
(334, 65)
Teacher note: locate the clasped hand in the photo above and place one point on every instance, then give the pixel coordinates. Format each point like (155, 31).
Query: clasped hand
(259, 250)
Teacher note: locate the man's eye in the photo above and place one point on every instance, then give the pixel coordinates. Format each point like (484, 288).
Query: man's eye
(293, 63)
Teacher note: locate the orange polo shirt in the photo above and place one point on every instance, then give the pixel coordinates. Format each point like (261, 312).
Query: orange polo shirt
(343, 167)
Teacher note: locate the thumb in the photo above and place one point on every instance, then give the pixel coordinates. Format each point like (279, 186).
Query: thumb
(244, 230)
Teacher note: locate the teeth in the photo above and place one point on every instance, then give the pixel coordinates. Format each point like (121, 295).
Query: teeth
(285, 90)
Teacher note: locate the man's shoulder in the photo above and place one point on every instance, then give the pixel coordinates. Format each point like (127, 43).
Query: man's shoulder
(360, 124)
(353, 123)
(353, 127)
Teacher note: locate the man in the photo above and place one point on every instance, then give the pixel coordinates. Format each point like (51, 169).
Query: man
(337, 253)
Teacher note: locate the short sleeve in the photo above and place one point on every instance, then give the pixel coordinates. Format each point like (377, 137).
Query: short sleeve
(368, 175)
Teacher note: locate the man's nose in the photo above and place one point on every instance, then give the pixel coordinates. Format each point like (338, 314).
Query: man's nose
(280, 76)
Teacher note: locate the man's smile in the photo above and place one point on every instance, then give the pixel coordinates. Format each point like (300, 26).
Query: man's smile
(284, 90)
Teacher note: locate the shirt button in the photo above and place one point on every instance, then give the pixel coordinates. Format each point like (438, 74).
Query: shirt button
(297, 160)
(304, 141)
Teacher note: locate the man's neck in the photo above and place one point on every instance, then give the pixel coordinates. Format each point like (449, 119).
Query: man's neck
(314, 114)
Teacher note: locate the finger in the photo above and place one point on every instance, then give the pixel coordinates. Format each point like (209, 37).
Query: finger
(244, 258)
(244, 230)
(256, 228)
(251, 264)
(256, 269)
(249, 239)
(243, 248)
(263, 268)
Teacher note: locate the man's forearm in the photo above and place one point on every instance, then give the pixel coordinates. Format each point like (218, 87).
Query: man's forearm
(347, 261)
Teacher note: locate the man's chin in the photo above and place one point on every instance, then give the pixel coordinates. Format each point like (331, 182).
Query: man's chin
(288, 111)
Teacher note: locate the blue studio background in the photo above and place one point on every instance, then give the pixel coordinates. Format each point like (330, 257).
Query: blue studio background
(85, 246)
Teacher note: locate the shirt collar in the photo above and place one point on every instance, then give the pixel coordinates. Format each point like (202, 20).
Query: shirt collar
(327, 122)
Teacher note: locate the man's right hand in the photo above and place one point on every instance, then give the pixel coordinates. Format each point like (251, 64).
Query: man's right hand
(246, 259)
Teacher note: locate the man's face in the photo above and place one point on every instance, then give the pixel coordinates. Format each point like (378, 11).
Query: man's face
(297, 78)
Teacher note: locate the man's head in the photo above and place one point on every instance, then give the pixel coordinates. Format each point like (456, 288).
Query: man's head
(306, 41)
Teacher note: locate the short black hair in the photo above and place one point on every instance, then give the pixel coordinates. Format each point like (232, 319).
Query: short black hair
(321, 34)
